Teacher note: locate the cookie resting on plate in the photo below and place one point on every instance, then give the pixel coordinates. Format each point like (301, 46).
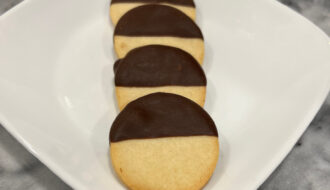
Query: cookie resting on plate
(164, 141)
(120, 7)
(157, 68)
(161, 25)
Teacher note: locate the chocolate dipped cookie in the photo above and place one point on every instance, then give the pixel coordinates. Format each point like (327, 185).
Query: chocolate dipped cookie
(119, 7)
(161, 25)
(158, 68)
(164, 141)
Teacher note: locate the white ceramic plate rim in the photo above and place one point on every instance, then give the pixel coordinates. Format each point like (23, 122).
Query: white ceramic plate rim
(277, 159)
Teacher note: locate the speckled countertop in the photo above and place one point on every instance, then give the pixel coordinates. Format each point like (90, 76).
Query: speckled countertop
(307, 167)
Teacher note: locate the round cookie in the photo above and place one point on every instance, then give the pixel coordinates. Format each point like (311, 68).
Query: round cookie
(119, 7)
(157, 68)
(158, 24)
(164, 141)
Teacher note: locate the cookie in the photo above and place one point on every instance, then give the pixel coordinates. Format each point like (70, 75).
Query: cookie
(164, 141)
(158, 24)
(157, 68)
(119, 7)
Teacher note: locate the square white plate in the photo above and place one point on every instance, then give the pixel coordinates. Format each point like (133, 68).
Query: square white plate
(267, 67)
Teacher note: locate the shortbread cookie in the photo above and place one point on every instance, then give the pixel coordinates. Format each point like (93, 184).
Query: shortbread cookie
(157, 68)
(158, 24)
(164, 141)
(119, 7)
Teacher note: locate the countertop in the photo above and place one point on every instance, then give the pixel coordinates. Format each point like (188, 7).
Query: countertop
(307, 167)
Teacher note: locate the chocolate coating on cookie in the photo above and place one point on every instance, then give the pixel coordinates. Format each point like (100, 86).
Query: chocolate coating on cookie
(161, 115)
(189, 3)
(157, 20)
(157, 65)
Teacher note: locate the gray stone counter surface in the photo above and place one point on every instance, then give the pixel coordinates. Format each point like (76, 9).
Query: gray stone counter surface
(307, 167)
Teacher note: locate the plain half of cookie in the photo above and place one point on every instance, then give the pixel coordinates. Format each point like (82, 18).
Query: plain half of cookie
(117, 10)
(176, 163)
(158, 24)
(125, 95)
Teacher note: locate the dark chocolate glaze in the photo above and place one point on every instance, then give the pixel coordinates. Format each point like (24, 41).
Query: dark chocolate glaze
(157, 20)
(116, 64)
(189, 3)
(157, 65)
(161, 115)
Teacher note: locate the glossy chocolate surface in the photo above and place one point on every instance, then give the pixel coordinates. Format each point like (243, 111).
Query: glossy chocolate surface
(157, 20)
(161, 115)
(157, 65)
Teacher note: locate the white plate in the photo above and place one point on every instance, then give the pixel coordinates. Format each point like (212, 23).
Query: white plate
(267, 68)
